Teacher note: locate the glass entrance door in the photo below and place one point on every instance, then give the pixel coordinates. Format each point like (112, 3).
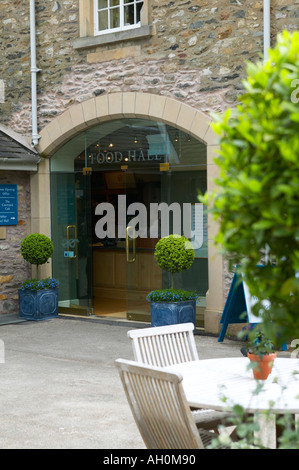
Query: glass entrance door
(71, 235)
(145, 188)
(165, 202)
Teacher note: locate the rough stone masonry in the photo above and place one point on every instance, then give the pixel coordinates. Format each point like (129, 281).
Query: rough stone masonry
(197, 54)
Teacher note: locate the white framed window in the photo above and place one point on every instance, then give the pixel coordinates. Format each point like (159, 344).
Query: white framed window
(116, 15)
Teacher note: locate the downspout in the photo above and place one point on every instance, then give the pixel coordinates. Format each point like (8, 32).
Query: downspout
(267, 26)
(267, 23)
(34, 70)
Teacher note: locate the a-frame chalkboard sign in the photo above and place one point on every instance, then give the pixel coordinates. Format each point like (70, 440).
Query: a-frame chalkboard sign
(237, 307)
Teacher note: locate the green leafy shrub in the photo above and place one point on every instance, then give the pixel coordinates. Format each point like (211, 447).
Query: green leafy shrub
(246, 425)
(36, 248)
(174, 254)
(171, 295)
(258, 343)
(257, 200)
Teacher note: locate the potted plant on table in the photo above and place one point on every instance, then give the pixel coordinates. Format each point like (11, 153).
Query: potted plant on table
(38, 299)
(170, 306)
(260, 352)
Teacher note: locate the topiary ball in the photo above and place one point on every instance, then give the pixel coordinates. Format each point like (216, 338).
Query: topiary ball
(174, 253)
(36, 248)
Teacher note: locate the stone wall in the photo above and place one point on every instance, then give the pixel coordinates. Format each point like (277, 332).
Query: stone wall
(13, 268)
(198, 54)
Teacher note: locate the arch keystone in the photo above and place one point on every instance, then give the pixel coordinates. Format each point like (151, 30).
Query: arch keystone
(115, 105)
(129, 102)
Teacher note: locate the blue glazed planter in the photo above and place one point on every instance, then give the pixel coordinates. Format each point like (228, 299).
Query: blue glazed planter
(38, 305)
(171, 313)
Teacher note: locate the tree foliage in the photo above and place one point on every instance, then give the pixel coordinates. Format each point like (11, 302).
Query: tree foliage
(174, 254)
(36, 248)
(256, 202)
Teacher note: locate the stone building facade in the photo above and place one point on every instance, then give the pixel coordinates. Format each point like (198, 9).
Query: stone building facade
(13, 269)
(185, 60)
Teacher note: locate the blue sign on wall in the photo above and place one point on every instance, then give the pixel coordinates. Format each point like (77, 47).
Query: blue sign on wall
(8, 204)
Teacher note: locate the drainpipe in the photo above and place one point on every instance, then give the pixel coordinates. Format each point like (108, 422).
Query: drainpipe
(266, 9)
(267, 24)
(34, 71)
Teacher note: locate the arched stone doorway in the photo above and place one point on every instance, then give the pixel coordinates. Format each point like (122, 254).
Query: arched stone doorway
(104, 108)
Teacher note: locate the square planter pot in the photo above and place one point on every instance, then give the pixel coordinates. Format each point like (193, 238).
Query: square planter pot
(38, 305)
(171, 313)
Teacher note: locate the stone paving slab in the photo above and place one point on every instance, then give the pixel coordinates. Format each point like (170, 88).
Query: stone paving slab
(59, 387)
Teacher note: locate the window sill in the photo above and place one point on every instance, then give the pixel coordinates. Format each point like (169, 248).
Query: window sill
(110, 38)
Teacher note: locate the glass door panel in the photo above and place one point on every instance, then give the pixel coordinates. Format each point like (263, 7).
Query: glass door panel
(175, 193)
(143, 189)
(71, 227)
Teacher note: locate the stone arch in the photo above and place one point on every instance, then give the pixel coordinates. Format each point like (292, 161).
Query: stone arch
(131, 105)
(124, 105)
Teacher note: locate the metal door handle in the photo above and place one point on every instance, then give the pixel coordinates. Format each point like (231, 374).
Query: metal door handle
(130, 260)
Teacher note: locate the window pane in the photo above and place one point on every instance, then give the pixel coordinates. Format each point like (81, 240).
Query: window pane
(103, 20)
(102, 4)
(129, 15)
(114, 18)
(118, 14)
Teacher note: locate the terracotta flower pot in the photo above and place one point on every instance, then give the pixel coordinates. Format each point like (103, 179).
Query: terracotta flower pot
(263, 366)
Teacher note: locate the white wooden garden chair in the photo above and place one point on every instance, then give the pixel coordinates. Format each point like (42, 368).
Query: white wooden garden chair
(160, 408)
(163, 346)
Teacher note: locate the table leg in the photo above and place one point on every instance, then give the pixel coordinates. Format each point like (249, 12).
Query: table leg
(266, 436)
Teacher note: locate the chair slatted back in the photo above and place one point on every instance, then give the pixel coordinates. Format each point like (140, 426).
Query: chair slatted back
(159, 406)
(164, 345)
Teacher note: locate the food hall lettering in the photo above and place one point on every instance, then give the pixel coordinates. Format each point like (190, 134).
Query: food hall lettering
(117, 157)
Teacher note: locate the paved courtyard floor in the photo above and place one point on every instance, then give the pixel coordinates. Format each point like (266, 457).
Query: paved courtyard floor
(60, 389)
